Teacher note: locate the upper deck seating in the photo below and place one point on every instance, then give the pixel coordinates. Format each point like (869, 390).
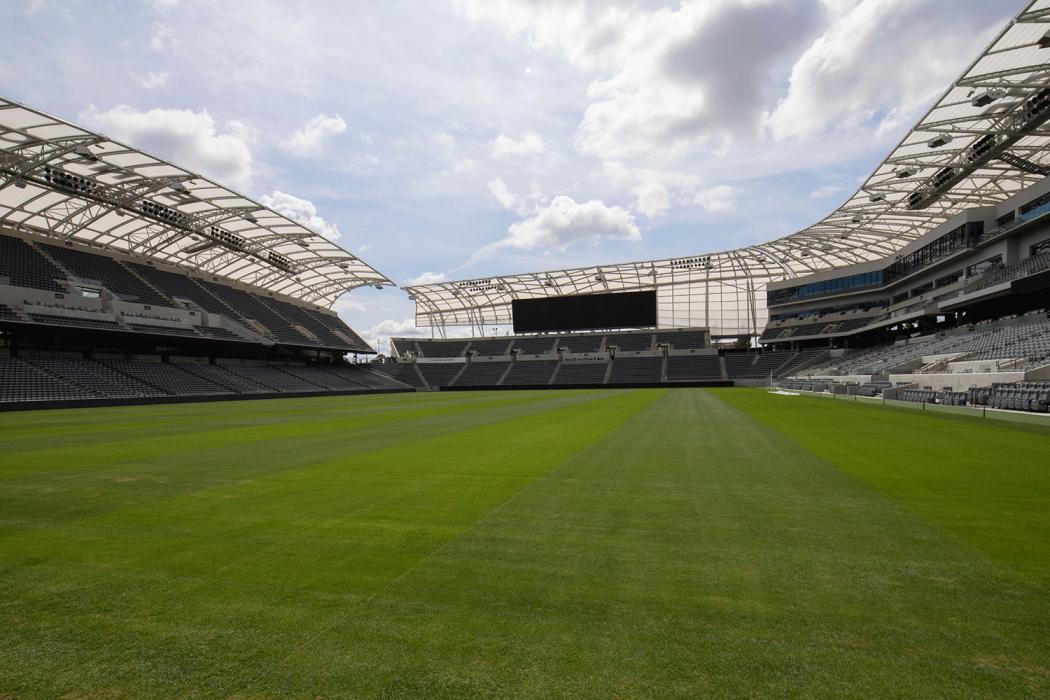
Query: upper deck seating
(107, 271)
(248, 306)
(630, 341)
(182, 287)
(537, 345)
(441, 348)
(681, 340)
(581, 343)
(24, 266)
(489, 346)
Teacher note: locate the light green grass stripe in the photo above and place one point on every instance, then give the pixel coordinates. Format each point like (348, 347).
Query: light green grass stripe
(988, 482)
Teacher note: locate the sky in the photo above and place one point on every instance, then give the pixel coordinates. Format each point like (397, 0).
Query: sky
(448, 139)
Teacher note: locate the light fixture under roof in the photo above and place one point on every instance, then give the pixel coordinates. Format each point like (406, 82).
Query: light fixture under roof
(85, 152)
(939, 140)
(250, 218)
(906, 171)
(983, 99)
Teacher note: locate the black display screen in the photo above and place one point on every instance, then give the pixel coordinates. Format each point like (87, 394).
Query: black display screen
(585, 312)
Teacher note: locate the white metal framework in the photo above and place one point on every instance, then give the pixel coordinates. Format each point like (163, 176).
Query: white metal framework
(65, 182)
(983, 141)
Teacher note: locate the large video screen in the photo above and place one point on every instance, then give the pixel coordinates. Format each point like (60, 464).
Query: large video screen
(585, 312)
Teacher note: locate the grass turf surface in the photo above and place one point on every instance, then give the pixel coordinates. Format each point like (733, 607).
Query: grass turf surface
(552, 543)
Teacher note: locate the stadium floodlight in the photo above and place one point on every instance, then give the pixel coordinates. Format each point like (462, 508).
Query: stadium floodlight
(904, 172)
(987, 97)
(85, 152)
(856, 219)
(939, 140)
(250, 218)
(876, 198)
(377, 285)
(20, 183)
(1044, 41)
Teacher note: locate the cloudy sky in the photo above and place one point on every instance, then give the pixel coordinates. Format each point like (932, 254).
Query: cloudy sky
(442, 139)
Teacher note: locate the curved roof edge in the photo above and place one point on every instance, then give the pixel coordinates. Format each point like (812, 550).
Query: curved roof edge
(981, 142)
(65, 182)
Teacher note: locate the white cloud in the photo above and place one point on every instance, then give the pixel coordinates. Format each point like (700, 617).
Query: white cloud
(427, 278)
(656, 191)
(826, 191)
(188, 138)
(302, 211)
(162, 37)
(378, 336)
(510, 201)
(346, 305)
(530, 144)
(565, 222)
(856, 72)
(152, 81)
(669, 78)
(308, 140)
(720, 198)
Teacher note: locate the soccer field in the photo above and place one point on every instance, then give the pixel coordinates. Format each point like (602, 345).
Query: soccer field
(608, 543)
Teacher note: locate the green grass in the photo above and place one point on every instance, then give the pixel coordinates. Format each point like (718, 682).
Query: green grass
(609, 543)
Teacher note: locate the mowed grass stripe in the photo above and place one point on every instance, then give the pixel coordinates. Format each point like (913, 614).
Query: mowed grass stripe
(52, 483)
(986, 481)
(197, 591)
(690, 552)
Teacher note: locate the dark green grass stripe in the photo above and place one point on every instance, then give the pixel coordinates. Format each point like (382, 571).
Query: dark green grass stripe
(216, 582)
(988, 482)
(691, 552)
(589, 439)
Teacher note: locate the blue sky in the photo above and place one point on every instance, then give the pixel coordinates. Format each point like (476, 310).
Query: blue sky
(441, 139)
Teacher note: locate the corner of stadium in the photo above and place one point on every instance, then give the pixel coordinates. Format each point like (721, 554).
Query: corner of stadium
(812, 467)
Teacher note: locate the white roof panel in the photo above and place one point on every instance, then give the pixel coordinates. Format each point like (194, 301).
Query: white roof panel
(62, 181)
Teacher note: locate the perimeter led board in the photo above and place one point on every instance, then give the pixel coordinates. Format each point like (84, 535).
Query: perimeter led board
(585, 312)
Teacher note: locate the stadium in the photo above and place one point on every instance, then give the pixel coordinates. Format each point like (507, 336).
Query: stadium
(815, 466)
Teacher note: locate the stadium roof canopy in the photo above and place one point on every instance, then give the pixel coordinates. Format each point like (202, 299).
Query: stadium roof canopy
(66, 182)
(984, 140)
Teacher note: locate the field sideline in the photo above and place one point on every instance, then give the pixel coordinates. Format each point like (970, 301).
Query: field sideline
(606, 543)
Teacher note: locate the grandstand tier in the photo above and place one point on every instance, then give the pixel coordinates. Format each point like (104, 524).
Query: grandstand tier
(45, 287)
